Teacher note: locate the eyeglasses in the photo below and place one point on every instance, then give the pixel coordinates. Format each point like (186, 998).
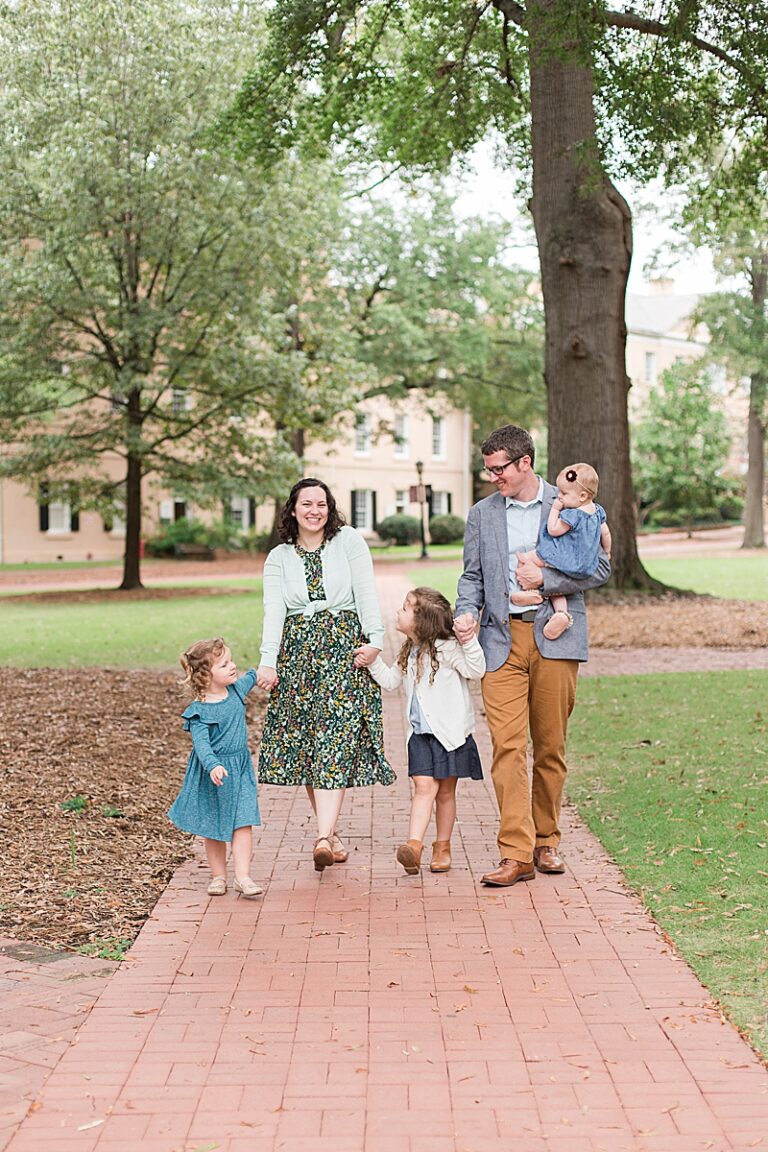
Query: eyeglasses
(499, 469)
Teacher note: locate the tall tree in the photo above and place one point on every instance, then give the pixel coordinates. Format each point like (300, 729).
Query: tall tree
(419, 81)
(133, 247)
(681, 446)
(732, 221)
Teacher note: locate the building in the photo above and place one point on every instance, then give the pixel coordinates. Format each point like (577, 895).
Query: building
(370, 467)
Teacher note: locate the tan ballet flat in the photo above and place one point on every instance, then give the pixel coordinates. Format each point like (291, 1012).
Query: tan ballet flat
(247, 887)
(217, 886)
(441, 856)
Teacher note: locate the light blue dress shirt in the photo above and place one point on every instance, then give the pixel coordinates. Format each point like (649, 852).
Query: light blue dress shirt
(523, 519)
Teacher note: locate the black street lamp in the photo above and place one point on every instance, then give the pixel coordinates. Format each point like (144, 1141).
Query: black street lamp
(421, 492)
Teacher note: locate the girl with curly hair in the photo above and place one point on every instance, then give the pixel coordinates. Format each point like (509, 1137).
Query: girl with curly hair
(218, 799)
(435, 668)
(322, 628)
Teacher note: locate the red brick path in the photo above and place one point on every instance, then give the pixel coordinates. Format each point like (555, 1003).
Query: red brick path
(367, 1011)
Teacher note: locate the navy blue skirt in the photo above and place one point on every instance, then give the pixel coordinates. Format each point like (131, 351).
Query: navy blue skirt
(427, 757)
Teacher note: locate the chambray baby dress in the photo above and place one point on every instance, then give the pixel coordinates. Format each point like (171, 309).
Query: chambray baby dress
(575, 553)
(219, 736)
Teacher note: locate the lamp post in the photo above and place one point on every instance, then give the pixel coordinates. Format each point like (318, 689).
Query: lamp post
(422, 498)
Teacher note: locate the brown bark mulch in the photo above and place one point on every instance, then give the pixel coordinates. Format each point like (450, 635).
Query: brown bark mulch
(110, 747)
(88, 877)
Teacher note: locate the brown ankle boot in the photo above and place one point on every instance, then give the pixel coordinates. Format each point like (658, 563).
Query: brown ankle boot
(441, 856)
(409, 855)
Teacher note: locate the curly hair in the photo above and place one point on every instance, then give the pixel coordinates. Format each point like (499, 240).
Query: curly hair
(288, 528)
(433, 621)
(197, 662)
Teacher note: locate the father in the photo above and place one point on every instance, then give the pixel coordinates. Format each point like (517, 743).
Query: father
(530, 681)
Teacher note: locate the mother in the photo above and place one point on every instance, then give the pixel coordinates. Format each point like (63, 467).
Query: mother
(322, 628)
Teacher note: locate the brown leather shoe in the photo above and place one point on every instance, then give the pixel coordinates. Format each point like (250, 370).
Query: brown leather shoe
(546, 859)
(509, 872)
(441, 856)
(409, 855)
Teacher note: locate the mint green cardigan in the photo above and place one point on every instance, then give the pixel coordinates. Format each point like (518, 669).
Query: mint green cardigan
(347, 579)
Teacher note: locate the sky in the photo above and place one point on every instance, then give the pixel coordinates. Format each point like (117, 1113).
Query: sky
(489, 192)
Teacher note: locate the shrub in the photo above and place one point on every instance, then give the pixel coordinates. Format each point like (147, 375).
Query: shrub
(446, 529)
(399, 529)
(253, 541)
(221, 534)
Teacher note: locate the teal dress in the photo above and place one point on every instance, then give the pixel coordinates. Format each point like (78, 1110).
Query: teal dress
(324, 722)
(219, 736)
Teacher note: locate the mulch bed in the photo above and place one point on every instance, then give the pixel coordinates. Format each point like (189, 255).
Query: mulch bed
(87, 879)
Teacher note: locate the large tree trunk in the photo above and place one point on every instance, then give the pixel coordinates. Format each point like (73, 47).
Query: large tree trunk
(754, 531)
(133, 477)
(584, 233)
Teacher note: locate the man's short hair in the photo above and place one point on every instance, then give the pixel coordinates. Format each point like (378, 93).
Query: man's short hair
(513, 440)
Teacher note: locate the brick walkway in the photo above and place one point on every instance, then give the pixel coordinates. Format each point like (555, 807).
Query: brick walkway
(366, 1011)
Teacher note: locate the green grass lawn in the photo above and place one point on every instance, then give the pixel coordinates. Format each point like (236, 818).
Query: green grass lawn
(671, 773)
(743, 577)
(732, 577)
(137, 633)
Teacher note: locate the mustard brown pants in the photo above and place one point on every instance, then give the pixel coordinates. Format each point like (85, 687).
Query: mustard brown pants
(528, 693)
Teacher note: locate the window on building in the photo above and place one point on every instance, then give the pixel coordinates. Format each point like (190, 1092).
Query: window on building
(363, 434)
(650, 367)
(240, 511)
(364, 509)
(166, 511)
(57, 517)
(401, 437)
(181, 401)
(402, 501)
(440, 503)
(438, 436)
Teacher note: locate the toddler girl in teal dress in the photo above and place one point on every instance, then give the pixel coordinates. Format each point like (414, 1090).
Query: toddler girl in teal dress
(218, 799)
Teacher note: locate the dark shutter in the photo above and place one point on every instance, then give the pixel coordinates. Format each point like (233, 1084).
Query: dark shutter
(74, 521)
(450, 503)
(373, 511)
(42, 503)
(430, 503)
(353, 517)
(179, 509)
(251, 512)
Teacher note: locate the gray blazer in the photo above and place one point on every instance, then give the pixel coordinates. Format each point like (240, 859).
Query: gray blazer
(484, 586)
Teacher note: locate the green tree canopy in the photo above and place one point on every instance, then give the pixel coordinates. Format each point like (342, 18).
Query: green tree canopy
(681, 446)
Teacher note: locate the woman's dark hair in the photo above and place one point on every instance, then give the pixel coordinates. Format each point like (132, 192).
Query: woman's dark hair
(288, 528)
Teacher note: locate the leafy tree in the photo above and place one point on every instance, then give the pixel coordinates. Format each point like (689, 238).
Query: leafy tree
(681, 447)
(132, 257)
(734, 225)
(578, 90)
(439, 311)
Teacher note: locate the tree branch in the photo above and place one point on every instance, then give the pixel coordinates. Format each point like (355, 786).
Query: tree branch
(656, 28)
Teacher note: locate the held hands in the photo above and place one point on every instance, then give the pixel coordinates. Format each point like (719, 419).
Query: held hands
(266, 678)
(365, 655)
(217, 774)
(465, 628)
(528, 574)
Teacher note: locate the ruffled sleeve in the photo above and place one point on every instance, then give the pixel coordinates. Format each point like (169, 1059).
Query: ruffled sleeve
(198, 722)
(570, 516)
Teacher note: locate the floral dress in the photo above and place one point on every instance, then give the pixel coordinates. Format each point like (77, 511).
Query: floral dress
(323, 725)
